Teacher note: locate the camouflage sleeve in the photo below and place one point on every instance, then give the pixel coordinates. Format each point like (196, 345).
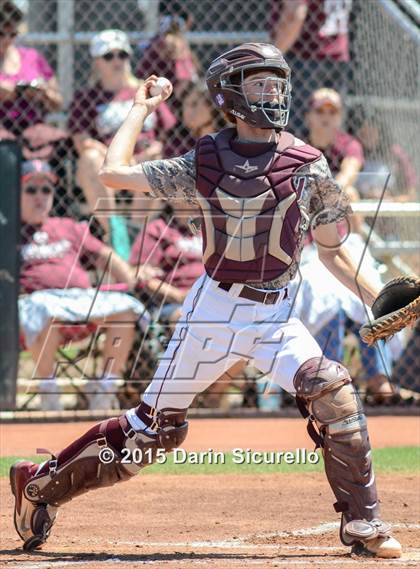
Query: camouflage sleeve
(173, 178)
(328, 202)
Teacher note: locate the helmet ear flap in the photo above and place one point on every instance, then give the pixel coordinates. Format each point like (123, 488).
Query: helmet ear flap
(225, 82)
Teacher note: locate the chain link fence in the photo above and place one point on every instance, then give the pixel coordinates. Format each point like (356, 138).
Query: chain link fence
(69, 89)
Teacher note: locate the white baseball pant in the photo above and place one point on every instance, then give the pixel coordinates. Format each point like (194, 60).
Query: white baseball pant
(219, 328)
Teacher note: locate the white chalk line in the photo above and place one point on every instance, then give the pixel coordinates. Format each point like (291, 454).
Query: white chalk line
(225, 545)
(244, 542)
(320, 529)
(275, 562)
(413, 554)
(323, 528)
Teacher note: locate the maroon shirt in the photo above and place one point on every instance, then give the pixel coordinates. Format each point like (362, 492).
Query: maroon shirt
(100, 113)
(18, 114)
(156, 60)
(324, 33)
(344, 146)
(403, 167)
(171, 248)
(51, 254)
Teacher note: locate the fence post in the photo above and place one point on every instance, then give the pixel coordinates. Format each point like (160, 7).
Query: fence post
(150, 11)
(65, 66)
(10, 159)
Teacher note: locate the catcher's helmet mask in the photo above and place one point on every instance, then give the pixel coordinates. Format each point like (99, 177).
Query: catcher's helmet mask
(228, 83)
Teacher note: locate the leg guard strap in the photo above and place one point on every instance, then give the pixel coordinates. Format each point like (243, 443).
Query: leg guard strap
(361, 530)
(171, 431)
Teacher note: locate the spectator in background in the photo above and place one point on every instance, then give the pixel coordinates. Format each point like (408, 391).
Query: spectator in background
(168, 54)
(343, 152)
(55, 285)
(313, 34)
(96, 114)
(199, 117)
(329, 310)
(406, 371)
(28, 86)
(178, 9)
(385, 162)
(344, 155)
(168, 244)
(199, 114)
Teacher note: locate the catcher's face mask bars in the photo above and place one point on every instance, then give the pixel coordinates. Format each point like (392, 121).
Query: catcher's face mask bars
(271, 95)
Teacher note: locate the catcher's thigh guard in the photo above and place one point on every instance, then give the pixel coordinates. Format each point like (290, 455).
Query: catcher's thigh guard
(98, 458)
(325, 389)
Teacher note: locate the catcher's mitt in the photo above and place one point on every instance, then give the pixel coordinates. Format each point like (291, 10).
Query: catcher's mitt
(397, 306)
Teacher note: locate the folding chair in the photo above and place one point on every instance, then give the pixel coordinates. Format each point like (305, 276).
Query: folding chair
(65, 362)
(73, 333)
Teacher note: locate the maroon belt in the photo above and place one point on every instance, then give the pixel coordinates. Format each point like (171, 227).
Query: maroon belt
(255, 294)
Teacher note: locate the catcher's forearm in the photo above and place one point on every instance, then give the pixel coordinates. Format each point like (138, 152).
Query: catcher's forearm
(342, 266)
(121, 149)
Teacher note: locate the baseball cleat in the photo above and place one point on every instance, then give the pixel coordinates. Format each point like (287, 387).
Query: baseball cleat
(384, 547)
(370, 539)
(33, 522)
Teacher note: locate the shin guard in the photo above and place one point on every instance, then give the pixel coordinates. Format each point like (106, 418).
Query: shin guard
(86, 464)
(325, 389)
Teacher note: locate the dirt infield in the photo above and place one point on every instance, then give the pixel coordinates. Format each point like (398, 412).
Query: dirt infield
(219, 434)
(279, 520)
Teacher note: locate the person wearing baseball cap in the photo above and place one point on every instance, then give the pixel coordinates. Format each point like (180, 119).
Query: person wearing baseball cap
(258, 189)
(343, 152)
(325, 97)
(96, 112)
(37, 169)
(54, 283)
(106, 42)
(37, 191)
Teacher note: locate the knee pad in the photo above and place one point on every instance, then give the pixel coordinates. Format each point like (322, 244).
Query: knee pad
(328, 394)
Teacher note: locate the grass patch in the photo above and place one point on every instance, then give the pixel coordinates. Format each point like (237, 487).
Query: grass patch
(394, 459)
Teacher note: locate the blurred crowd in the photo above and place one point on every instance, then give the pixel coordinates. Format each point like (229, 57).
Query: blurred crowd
(122, 264)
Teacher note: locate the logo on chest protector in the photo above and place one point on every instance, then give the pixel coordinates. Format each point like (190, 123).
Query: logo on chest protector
(246, 167)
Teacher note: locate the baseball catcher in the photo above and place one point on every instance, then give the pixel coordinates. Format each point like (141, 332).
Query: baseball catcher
(258, 189)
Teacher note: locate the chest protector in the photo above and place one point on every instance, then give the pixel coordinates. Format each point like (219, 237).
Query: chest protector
(249, 197)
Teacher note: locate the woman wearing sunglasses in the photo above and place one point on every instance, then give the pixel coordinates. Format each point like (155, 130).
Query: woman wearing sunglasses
(330, 315)
(55, 284)
(96, 114)
(28, 87)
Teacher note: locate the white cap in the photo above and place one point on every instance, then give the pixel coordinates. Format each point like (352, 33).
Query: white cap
(107, 41)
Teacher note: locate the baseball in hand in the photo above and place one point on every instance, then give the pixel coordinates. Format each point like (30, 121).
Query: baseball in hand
(161, 84)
